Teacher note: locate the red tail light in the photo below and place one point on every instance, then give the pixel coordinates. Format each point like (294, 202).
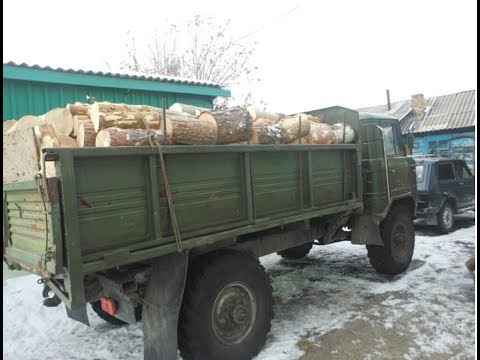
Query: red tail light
(108, 305)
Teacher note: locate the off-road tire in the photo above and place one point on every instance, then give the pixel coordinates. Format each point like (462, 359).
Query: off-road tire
(398, 236)
(207, 279)
(97, 307)
(445, 218)
(296, 252)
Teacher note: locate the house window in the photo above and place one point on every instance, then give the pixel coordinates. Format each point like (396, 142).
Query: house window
(439, 147)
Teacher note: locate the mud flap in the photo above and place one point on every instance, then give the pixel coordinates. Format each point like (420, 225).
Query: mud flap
(365, 231)
(161, 306)
(79, 314)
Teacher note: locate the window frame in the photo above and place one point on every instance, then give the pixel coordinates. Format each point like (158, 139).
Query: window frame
(396, 144)
(465, 169)
(450, 163)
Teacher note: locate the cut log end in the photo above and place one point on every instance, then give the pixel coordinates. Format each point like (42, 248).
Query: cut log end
(79, 109)
(66, 141)
(343, 134)
(86, 136)
(321, 134)
(7, 125)
(77, 120)
(61, 119)
(25, 122)
(103, 139)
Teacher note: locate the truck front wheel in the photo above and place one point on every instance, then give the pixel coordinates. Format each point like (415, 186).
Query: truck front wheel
(398, 236)
(227, 308)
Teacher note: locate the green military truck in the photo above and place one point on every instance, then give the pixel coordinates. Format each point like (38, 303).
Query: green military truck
(173, 234)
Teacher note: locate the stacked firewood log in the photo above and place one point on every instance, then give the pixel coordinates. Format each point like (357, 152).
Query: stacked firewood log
(105, 124)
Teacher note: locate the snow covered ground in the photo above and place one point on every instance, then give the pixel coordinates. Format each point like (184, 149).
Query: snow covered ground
(329, 305)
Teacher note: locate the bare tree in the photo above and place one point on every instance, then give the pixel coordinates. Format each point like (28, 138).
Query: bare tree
(198, 49)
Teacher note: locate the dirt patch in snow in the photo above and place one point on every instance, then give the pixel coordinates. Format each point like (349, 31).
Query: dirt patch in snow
(369, 337)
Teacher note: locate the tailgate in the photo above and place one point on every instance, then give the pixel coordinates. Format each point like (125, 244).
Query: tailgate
(31, 227)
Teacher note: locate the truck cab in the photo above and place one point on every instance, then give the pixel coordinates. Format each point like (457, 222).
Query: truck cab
(389, 172)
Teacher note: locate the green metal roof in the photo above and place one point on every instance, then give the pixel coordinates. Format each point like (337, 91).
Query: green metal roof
(134, 81)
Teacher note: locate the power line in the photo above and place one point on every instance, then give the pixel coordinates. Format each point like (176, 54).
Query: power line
(263, 27)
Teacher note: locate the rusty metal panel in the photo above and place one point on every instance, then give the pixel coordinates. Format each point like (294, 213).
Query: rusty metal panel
(31, 222)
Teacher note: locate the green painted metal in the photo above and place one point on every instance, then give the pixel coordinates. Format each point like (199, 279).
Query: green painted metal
(153, 251)
(31, 227)
(73, 279)
(115, 211)
(114, 194)
(35, 91)
(394, 173)
(155, 204)
(191, 149)
(248, 187)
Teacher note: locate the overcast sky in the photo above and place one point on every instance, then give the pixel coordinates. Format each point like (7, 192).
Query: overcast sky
(311, 54)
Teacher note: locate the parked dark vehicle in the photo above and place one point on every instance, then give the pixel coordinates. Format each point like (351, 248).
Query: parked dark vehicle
(445, 187)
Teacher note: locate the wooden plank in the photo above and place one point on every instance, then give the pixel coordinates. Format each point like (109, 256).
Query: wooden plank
(20, 156)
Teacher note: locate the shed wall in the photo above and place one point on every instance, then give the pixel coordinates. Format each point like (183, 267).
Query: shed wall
(36, 98)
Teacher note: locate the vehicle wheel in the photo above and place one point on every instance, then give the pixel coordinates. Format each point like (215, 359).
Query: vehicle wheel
(445, 218)
(398, 236)
(97, 307)
(227, 308)
(296, 252)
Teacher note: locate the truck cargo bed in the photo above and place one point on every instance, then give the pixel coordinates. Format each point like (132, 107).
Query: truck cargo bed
(114, 207)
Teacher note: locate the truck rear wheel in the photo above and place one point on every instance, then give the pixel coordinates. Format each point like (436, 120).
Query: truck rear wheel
(227, 308)
(398, 236)
(296, 252)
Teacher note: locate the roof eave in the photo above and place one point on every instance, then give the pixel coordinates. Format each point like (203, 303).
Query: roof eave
(52, 76)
